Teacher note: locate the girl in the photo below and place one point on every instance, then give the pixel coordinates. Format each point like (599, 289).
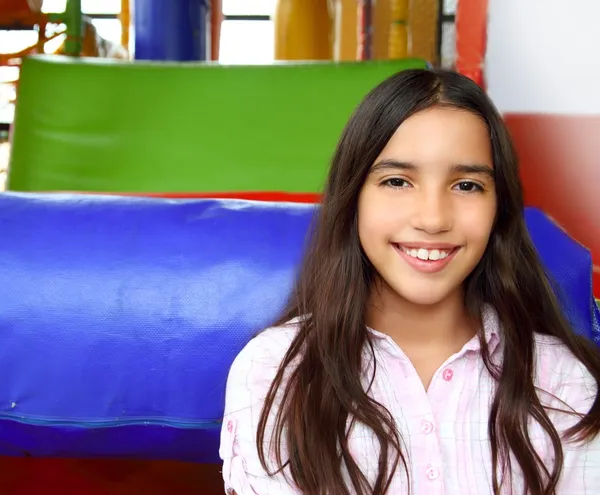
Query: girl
(423, 350)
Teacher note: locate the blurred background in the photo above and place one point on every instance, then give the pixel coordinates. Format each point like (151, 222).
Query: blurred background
(160, 97)
(242, 32)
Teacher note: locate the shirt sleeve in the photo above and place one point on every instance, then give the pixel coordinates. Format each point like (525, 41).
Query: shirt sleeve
(577, 388)
(249, 380)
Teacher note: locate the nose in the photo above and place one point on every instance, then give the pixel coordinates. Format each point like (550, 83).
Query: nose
(432, 213)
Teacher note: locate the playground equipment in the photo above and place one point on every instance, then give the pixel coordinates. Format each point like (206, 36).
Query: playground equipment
(303, 30)
(165, 30)
(380, 30)
(172, 128)
(80, 37)
(18, 13)
(120, 317)
(471, 19)
(172, 30)
(399, 39)
(216, 19)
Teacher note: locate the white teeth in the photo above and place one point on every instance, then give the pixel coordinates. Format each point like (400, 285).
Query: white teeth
(423, 254)
(426, 254)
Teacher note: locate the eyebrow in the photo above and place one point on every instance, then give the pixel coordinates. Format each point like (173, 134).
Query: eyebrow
(478, 169)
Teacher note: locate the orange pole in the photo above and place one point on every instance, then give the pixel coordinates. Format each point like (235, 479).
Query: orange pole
(216, 19)
(41, 44)
(125, 18)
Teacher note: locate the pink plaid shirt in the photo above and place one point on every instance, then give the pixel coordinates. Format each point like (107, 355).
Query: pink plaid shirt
(444, 429)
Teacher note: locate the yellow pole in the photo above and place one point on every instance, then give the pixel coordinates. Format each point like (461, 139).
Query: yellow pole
(382, 20)
(303, 30)
(125, 18)
(345, 38)
(423, 19)
(399, 40)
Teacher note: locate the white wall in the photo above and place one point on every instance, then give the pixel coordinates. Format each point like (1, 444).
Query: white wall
(543, 56)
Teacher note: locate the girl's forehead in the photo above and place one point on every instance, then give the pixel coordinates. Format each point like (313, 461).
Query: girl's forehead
(440, 136)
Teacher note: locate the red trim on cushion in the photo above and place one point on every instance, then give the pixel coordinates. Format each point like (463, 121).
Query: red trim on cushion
(254, 196)
(272, 196)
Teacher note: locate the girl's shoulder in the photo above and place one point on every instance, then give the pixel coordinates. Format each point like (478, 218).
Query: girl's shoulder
(248, 384)
(562, 375)
(554, 357)
(263, 354)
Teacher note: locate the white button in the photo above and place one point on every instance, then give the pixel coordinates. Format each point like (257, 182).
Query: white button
(447, 374)
(432, 473)
(427, 427)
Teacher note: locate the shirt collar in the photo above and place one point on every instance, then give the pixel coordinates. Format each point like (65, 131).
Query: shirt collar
(490, 328)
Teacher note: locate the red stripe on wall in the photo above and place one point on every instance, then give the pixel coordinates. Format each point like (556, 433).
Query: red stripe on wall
(560, 172)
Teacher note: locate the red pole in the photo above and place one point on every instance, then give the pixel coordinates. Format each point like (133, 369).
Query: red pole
(216, 18)
(471, 38)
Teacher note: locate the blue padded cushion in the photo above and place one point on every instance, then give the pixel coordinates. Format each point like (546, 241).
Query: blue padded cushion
(120, 317)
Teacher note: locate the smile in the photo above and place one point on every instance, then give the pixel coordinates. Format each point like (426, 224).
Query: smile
(426, 254)
(428, 260)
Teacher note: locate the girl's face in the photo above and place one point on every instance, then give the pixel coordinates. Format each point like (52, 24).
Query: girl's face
(426, 210)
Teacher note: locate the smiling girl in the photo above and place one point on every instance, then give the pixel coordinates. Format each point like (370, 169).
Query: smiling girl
(423, 350)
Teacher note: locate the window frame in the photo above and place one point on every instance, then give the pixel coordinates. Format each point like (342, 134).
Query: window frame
(443, 19)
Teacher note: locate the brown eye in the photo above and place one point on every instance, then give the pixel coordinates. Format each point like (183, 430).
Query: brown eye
(468, 186)
(396, 183)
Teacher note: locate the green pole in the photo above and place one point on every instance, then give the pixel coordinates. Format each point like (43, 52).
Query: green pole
(74, 22)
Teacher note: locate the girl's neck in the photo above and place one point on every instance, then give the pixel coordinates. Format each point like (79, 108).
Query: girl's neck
(445, 324)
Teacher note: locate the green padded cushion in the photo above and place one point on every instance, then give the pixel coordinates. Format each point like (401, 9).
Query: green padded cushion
(104, 126)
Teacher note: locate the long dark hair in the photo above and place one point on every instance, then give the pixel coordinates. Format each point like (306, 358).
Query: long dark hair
(322, 395)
